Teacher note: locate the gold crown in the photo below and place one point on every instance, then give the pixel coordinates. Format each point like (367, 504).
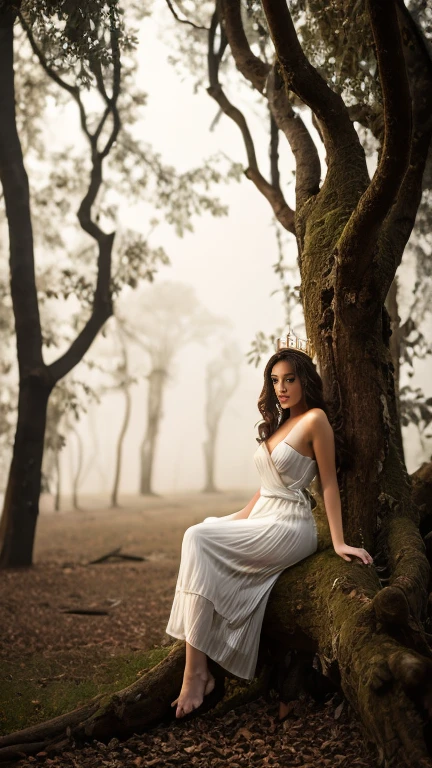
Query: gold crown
(291, 341)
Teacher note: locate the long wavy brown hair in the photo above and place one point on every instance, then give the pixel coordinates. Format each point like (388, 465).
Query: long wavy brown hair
(272, 413)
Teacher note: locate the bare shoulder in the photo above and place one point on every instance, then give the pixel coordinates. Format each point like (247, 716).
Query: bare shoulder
(317, 416)
(318, 423)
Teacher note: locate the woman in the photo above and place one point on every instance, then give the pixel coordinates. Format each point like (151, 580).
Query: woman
(230, 564)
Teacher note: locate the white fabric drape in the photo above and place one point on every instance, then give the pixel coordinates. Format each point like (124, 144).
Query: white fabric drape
(228, 567)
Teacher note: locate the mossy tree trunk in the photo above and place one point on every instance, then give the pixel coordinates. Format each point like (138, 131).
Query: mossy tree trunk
(351, 234)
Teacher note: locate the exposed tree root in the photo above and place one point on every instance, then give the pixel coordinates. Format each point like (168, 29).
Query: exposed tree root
(142, 704)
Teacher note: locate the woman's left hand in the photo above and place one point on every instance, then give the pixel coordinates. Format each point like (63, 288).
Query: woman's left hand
(343, 550)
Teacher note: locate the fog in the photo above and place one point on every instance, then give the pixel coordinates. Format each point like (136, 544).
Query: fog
(229, 262)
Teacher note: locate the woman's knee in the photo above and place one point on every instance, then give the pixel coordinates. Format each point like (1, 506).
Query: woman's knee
(193, 533)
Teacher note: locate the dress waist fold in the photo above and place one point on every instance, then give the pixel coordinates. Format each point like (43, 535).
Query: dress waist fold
(289, 494)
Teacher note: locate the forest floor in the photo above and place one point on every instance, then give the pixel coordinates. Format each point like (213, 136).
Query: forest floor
(52, 659)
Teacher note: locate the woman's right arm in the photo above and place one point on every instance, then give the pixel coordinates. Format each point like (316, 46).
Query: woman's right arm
(245, 512)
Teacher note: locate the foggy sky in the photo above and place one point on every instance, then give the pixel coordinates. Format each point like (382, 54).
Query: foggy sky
(229, 262)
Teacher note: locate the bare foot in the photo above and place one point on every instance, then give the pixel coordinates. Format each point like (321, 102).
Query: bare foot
(195, 687)
(284, 710)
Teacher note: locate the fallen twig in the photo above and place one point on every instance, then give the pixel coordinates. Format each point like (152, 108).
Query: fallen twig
(85, 611)
(117, 553)
(105, 557)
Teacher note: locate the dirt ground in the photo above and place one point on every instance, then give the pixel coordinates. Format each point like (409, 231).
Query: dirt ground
(52, 659)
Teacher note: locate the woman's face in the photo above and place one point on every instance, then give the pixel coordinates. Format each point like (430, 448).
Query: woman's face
(287, 385)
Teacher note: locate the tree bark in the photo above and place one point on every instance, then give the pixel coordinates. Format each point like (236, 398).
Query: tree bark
(21, 503)
(392, 307)
(348, 254)
(156, 381)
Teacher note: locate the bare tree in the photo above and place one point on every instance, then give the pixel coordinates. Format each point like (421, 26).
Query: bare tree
(123, 383)
(77, 472)
(66, 405)
(222, 378)
(37, 379)
(167, 317)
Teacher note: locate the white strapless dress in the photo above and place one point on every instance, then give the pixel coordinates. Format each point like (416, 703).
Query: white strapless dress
(228, 567)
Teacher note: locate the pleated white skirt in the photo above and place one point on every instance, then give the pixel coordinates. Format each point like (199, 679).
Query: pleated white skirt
(227, 570)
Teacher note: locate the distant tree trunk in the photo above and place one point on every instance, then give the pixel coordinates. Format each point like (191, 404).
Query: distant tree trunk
(222, 378)
(156, 381)
(95, 452)
(119, 453)
(209, 456)
(77, 474)
(57, 499)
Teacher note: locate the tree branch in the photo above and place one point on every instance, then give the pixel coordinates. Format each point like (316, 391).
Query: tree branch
(101, 311)
(251, 67)
(401, 218)
(115, 94)
(263, 78)
(274, 196)
(72, 89)
(308, 166)
(274, 153)
(182, 21)
(300, 76)
(102, 301)
(85, 210)
(369, 117)
(357, 243)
